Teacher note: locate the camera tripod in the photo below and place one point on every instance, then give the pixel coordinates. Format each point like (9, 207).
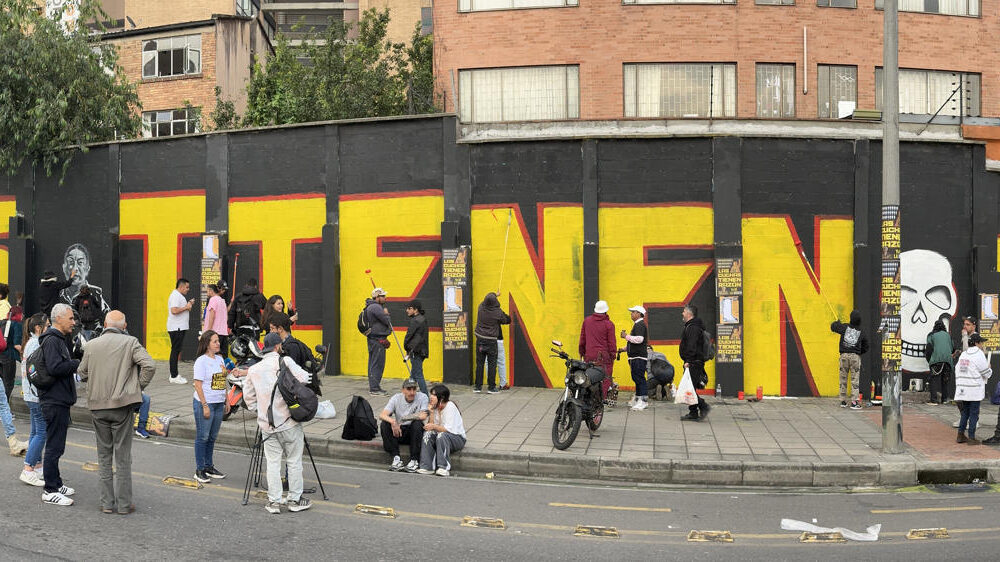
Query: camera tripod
(257, 464)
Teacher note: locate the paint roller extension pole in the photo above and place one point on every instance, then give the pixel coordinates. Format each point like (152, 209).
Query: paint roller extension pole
(391, 329)
(812, 272)
(503, 262)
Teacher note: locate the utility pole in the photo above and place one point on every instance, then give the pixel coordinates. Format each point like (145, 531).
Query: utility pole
(892, 427)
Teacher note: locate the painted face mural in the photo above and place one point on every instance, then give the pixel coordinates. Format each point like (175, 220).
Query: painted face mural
(927, 294)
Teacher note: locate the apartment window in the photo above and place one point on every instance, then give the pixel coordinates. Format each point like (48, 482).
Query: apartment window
(519, 94)
(483, 5)
(776, 2)
(678, 1)
(837, 3)
(945, 7)
(171, 56)
(680, 90)
(168, 123)
(923, 92)
(837, 90)
(775, 90)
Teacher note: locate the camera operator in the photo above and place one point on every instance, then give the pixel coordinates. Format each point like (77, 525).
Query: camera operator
(285, 437)
(280, 323)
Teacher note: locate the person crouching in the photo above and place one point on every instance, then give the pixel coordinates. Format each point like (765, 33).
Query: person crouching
(285, 436)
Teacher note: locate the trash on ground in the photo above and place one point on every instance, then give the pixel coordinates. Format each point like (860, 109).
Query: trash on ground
(870, 535)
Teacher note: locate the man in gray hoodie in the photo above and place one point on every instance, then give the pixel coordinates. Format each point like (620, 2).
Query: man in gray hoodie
(489, 318)
(380, 325)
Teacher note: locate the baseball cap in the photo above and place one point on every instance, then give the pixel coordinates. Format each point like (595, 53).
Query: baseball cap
(409, 383)
(600, 307)
(638, 308)
(378, 291)
(270, 340)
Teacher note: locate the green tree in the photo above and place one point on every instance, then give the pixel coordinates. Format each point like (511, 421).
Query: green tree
(59, 88)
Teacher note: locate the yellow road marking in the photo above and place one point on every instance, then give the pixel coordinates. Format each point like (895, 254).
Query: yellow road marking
(611, 507)
(929, 509)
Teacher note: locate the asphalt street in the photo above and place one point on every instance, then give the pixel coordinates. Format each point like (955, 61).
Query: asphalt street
(179, 523)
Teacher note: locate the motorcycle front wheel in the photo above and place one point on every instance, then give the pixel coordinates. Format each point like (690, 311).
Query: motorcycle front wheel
(565, 426)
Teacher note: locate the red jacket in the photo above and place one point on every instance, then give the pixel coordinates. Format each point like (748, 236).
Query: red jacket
(597, 341)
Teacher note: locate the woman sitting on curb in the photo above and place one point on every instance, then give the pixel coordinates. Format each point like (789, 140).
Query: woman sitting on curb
(444, 432)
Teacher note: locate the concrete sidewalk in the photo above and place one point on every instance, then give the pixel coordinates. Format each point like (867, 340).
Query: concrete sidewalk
(789, 442)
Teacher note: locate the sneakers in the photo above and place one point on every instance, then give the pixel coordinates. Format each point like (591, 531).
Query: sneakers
(442, 472)
(477, 390)
(412, 466)
(31, 478)
(202, 477)
(178, 380)
(378, 392)
(492, 391)
(992, 441)
(273, 508)
(301, 505)
(855, 405)
(67, 491)
(690, 417)
(843, 404)
(17, 448)
(55, 498)
(212, 472)
(397, 464)
(631, 401)
(141, 433)
(640, 405)
(424, 471)
(931, 403)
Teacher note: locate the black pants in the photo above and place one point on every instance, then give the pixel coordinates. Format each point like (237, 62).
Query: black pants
(56, 424)
(413, 433)
(223, 346)
(8, 368)
(939, 382)
(698, 377)
(176, 342)
(486, 351)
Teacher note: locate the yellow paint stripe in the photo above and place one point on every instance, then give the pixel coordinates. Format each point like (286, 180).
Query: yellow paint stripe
(611, 507)
(929, 509)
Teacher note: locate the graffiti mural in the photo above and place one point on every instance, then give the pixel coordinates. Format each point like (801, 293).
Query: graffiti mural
(927, 295)
(77, 260)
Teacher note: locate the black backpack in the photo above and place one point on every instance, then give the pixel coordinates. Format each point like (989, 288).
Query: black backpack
(302, 401)
(360, 423)
(245, 314)
(364, 325)
(35, 369)
(707, 347)
(88, 309)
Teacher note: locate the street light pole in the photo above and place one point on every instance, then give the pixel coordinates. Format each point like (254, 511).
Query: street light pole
(892, 429)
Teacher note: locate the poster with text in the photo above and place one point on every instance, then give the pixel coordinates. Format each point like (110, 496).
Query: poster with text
(989, 321)
(729, 343)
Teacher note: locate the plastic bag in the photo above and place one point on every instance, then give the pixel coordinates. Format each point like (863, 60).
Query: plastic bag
(325, 410)
(685, 393)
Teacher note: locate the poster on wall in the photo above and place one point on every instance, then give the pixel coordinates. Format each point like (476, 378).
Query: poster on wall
(211, 265)
(456, 330)
(728, 276)
(989, 321)
(729, 343)
(889, 292)
(454, 277)
(729, 290)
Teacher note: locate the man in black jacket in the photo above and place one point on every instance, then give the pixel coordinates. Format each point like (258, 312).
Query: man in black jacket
(49, 288)
(488, 321)
(294, 348)
(691, 351)
(853, 344)
(415, 343)
(247, 306)
(56, 401)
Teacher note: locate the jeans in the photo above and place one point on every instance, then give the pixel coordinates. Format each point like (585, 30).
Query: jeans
(376, 364)
(6, 417)
(56, 425)
(176, 343)
(698, 377)
(501, 364)
(638, 367)
(486, 353)
(36, 440)
(113, 428)
(288, 443)
(970, 416)
(143, 410)
(436, 449)
(413, 433)
(417, 372)
(207, 430)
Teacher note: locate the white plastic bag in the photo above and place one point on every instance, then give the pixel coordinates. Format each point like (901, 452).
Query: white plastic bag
(685, 393)
(325, 410)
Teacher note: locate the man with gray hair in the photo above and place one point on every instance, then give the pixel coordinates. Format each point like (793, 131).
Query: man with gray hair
(56, 400)
(116, 368)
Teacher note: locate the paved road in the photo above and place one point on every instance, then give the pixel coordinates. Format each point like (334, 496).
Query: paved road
(185, 524)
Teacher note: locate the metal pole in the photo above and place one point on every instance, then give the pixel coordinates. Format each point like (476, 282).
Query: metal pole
(892, 429)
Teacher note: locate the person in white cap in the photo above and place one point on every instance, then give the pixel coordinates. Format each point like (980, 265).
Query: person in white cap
(635, 348)
(597, 342)
(380, 325)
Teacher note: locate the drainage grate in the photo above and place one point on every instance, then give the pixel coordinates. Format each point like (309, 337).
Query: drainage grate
(951, 476)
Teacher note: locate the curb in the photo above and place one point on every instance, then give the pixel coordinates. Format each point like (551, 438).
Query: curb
(904, 472)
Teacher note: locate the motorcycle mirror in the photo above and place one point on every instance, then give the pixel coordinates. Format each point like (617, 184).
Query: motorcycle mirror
(557, 343)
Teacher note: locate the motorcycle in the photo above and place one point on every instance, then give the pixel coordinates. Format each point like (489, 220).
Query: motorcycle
(581, 401)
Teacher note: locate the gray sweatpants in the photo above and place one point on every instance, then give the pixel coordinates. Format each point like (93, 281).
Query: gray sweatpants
(288, 443)
(436, 449)
(113, 429)
(376, 364)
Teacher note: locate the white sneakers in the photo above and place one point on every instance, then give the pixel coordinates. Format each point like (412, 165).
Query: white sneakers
(397, 464)
(442, 472)
(31, 478)
(412, 466)
(59, 498)
(640, 405)
(424, 471)
(178, 380)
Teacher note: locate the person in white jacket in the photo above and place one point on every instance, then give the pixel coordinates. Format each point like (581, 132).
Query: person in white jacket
(971, 373)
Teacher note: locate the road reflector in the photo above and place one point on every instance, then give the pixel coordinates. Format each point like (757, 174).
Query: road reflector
(822, 537)
(936, 533)
(596, 531)
(710, 536)
(182, 482)
(483, 522)
(375, 510)
(89, 466)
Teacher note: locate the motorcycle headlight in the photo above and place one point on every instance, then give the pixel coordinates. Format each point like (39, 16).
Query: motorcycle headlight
(579, 378)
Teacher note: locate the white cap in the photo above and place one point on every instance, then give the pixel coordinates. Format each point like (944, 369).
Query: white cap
(378, 291)
(601, 307)
(638, 308)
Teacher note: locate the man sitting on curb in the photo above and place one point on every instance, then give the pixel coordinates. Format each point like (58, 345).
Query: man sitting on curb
(397, 424)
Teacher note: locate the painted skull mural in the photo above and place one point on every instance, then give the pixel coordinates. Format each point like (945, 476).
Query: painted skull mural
(927, 294)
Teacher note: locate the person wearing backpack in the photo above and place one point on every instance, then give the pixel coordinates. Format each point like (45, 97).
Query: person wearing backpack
(692, 352)
(379, 328)
(938, 352)
(32, 472)
(56, 401)
(13, 333)
(853, 344)
(88, 308)
(246, 307)
(281, 435)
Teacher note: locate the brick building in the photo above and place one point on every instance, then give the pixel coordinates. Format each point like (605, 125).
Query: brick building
(313, 17)
(531, 60)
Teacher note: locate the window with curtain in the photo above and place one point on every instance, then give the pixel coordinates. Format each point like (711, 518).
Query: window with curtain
(483, 5)
(923, 92)
(775, 90)
(519, 94)
(680, 90)
(944, 7)
(837, 90)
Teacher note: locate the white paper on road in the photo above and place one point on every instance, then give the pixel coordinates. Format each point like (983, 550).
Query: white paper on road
(870, 536)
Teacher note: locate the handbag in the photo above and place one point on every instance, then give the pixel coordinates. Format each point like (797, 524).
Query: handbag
(685, 393)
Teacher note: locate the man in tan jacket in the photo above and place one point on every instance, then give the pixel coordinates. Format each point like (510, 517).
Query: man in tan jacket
(116, 368)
